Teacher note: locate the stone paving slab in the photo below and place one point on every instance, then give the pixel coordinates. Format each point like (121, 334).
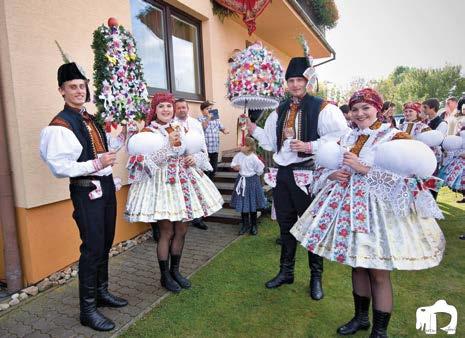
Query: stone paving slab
(134, 275)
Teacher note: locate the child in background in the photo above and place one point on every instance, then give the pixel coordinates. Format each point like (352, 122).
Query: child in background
(248, 194)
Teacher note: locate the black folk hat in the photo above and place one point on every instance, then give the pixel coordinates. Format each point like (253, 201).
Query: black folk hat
(70, 71)
(297, 67)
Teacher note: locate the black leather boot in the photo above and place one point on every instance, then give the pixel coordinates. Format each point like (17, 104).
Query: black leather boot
(166, 280)
(315, 263)
(245, 223)
(380, 324)
(174, 270)
(253, 223)
(104, 297)
(287, 262)
(89, 315)
(360, 320)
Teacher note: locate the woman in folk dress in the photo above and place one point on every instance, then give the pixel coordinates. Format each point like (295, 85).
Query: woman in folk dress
(368, 217)
(168, 186)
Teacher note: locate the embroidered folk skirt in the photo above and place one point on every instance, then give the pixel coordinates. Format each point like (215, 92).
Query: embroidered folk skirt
(453, 174)
(392, 242)
(182, 196)
(248, 195)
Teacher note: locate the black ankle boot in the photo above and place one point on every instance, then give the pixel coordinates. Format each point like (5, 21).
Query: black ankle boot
(245, 223)
(174, 270)
(380, 324)
(253, 222)
(360, 320)
(104, 297)
(286, 268)
(89, 315)
(166, 280)
(315, 263)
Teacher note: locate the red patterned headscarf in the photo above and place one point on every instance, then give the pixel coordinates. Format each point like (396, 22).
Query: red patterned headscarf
(414, 106)
(369, 96)
(156, 99)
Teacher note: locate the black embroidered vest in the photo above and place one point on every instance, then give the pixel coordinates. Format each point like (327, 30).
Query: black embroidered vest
(434, 123)
(78, 127)
(310, 107)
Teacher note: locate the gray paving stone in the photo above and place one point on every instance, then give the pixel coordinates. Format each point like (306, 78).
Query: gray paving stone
(133, 274)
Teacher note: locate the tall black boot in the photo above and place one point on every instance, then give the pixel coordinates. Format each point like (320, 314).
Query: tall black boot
(287, 262)
(380, 324)
(89, 315)
(104, 297)
(174, 270)
(245, 223)
(360, 320)
(166, 280)
(253, 223)
(315, 263)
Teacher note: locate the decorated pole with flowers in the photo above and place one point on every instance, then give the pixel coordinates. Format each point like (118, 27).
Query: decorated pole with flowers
(120, 90)
(255, 81)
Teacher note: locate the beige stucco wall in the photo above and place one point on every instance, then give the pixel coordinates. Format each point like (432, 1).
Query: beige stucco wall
(30, 59)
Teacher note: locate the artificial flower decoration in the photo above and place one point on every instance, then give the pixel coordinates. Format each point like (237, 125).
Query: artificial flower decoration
(255, 79)
(120, 90)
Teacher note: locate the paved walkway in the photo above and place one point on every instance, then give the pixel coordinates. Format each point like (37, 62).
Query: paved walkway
(134, 275)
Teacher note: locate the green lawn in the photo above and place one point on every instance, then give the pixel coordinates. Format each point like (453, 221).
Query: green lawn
(228, 297)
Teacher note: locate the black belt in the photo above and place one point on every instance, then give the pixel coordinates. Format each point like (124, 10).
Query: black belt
(306, 165)
(86, 181)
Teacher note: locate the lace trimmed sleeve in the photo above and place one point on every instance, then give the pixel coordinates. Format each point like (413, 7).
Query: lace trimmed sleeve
(202, 161)
(402, 194)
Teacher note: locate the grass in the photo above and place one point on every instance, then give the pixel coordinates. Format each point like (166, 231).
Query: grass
(228, 297)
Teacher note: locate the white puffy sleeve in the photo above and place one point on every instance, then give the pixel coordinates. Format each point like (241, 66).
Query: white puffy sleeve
(259, 166)
(332, 126)
(266, 137)
(236, 160)
(60, 149)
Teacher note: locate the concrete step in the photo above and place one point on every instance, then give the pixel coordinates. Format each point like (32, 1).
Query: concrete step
(224, 167)
(226, 174)
(228, 216)
(225, 187)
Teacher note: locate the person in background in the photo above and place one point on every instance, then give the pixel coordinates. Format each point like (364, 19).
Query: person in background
(248, 195)
(346, 112)
(212, 127)
(412, 124)
(449, 115)
(181, 109)
(430, 108)
(387, 113)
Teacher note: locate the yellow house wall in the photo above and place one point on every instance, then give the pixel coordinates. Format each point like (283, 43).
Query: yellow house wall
(48, 236)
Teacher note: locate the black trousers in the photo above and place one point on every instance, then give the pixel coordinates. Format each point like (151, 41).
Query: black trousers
(290, 202)
(214, 163)
(96, 221)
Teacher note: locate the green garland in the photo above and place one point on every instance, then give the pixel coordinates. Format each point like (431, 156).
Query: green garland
(101, 72)
(222, 12)
(325, 12)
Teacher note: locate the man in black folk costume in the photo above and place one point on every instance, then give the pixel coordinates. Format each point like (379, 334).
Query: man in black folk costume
(294, 132)
(73, 145)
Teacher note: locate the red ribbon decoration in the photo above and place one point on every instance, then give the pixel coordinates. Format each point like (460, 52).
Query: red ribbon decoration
(249, 9)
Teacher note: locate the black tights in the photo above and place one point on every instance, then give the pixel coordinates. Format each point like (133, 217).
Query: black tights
(375, 284)
(171, 241)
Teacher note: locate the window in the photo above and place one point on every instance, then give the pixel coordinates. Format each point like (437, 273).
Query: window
(170, 46)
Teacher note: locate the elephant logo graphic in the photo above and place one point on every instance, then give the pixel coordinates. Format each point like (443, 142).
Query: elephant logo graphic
(426, 317)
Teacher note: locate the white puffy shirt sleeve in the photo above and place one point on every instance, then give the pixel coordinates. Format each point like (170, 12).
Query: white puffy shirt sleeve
(266, 137)
(259, 166)
(332, 126)
(60, 149)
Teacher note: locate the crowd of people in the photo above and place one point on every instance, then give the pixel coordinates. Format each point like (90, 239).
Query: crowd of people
(343, 186)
